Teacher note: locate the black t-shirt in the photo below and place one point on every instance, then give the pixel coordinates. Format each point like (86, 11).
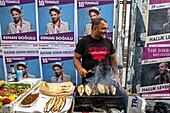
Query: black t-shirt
(94, 51)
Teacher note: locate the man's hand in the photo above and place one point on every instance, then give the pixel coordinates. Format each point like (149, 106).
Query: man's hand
(117, 79)
(82, 72)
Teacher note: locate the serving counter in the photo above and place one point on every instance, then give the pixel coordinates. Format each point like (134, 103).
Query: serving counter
(38, 105)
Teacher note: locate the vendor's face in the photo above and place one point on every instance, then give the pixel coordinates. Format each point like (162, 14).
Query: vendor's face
(162, 67)
(57, 70)
(21, 68)
(101, 30)
(93, 16)
(16, 16)
(54, 16)
(168, 14)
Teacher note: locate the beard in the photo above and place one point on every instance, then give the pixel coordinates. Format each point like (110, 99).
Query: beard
(54, 21)
(58, 74)
(16, 20)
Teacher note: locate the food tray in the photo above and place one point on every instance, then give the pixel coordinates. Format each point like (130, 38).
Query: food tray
(29, 105)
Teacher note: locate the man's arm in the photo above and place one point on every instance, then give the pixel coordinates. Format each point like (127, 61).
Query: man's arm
(76, 60)
(114, 64)
(115, 67)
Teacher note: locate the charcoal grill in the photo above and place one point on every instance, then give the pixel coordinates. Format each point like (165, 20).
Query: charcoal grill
(86, 103)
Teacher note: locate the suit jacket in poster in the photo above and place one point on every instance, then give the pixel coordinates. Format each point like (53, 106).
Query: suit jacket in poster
(26, 27)
(64, 27)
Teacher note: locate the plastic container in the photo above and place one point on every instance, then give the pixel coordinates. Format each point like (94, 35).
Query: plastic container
(19, 75)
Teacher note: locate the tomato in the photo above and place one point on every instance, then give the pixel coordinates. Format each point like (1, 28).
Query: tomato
(12, 91)
(2, 92)
(6, 100)
(20, 91)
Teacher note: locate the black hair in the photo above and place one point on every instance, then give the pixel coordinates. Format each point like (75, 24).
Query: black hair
(166, 64)
(21, 65)
(97, 21)
(57, 66)
(17, 10)
(57, 11)
(95, 11)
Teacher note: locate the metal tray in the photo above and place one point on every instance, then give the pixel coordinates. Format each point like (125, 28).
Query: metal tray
(99, 101)
(29, 105)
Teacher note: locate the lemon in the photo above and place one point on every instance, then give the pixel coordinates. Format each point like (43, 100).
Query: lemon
(12, 97)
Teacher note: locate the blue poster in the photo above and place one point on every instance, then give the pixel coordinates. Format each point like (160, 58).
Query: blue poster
(62, 57)
(25, 60)
(18, 21)
(2, 72)
(86, 11)
(56, 21)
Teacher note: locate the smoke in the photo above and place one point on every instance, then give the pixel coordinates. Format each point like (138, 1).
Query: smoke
(103, 74)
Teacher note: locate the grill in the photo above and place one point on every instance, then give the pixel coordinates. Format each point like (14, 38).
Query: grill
(88, 103)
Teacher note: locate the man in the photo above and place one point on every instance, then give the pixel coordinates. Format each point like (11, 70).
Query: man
(59, 75)
(22, 66)
(166, 26)
(57, 25)
(94, 13)
(95, 49)
(19, 25)
(164, 74)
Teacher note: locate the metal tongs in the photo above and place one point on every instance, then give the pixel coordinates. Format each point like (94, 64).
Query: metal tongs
(89, 71)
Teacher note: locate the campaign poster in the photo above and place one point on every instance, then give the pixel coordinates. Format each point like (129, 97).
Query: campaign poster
(155, 73)
(158, 1)
(2, 72)
(27, 56)
(18, 21)
(105, 9)
(0, 33)
(56, 21)
(64, 56)
(158, 23)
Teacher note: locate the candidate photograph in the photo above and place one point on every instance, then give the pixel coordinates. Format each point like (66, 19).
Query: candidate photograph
(155, 74)
(87, 15)
(56, 19)
(18, 19)
(57, 72)
(159, 21)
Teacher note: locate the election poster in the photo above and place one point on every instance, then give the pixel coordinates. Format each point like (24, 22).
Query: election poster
(22, 59)
(158, 23)
(18, 22)
(155, 73)
(100, 8)
(158, 1)
(2, 72)
(61, 56)
(56, 22)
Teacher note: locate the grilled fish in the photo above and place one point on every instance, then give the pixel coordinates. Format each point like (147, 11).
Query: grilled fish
(101, 88)
(80, 89)
(107, 90)
(88, 90)
(113, 89)
(94, 92)
(59, 104)
(49, 104)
